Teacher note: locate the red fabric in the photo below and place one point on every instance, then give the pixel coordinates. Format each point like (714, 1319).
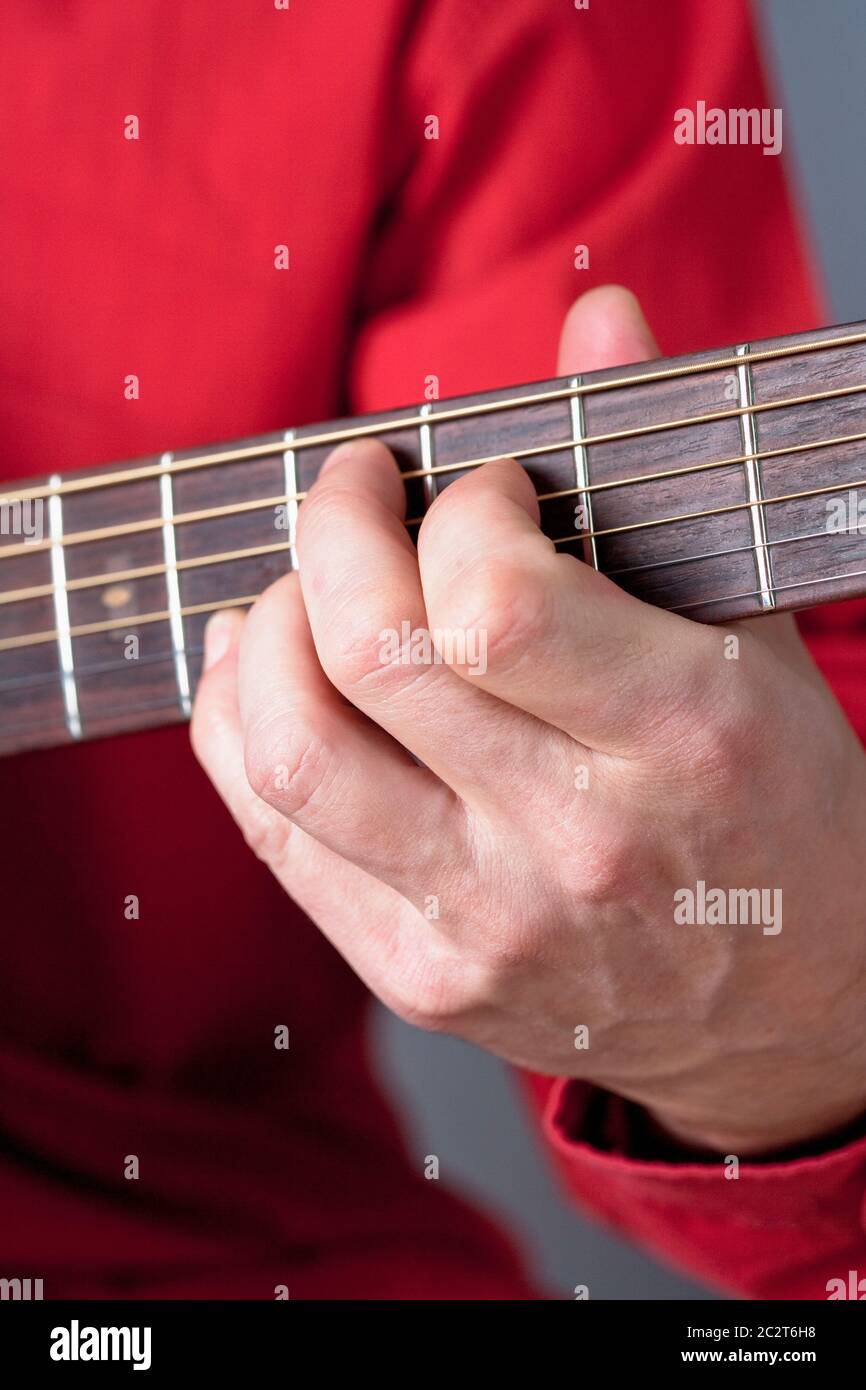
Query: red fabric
(259, 127)
(776, 1230)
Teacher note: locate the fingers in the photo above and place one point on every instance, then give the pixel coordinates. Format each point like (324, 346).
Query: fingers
(362, 591)
(371, 925)
(561, 641)
(556, 639)
(217, 740)
(322, 765)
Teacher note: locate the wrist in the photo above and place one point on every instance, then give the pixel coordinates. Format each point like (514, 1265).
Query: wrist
(754, 1130)
(809, 1084)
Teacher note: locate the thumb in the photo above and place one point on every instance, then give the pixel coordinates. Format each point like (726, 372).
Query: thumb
(604, 328)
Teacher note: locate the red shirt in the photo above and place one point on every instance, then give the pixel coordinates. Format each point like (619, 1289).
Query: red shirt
(305, 127)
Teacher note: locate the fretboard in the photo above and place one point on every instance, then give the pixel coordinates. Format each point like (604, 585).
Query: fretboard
(721, 485)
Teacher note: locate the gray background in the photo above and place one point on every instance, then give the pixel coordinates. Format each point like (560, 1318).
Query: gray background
(458, 1102)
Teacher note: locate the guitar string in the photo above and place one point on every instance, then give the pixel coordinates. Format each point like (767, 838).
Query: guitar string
(670, 561)
(464, 465)
(22, 730)
(223, 557)
(140, 619)
(30, 681)
(756, 593)
(333, 437)
(26, 683)
(95, 581)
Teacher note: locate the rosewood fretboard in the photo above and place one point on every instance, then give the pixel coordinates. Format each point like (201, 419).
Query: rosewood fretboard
(722, 485)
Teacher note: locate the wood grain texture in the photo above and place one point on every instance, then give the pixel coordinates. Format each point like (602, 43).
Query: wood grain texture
(703, 566)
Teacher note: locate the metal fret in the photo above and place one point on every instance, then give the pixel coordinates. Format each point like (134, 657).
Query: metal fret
(290, 473)
(581, 468)
(61, 610)
(754, 483)
(430, 482)
(172, 585)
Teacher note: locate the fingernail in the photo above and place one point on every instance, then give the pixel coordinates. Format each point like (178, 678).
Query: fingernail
(218, 636)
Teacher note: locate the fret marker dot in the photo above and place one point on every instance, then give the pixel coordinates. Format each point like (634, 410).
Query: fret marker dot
(117, 596)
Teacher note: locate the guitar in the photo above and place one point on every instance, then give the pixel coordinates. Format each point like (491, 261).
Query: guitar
(720, 485)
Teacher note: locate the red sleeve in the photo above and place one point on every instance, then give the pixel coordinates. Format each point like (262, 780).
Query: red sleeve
(555, 130)
(763, 1229)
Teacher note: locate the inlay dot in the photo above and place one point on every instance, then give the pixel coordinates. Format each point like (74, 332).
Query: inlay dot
(117, 596)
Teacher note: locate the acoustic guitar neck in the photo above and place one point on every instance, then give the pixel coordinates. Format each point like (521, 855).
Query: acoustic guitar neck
(720, 485)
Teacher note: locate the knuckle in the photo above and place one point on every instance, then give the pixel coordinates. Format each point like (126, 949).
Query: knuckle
(437, 1000)
(430, 1013)
(510, 954)
(604, 870)
(266, 833)
(723, 743)
(286, 764)
(697, 728)
(505, 604)
(367, 658)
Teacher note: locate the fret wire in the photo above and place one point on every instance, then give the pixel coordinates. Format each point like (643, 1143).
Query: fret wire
(226, 456)
(107, 625)
(581, 469)
(290, 467)
(63, 631)
(196, 562)
(172, 586)
(752, 470)
(260, 504)
(425, 445)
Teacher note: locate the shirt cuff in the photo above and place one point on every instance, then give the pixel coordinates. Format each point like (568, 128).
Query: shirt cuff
(780, 1227)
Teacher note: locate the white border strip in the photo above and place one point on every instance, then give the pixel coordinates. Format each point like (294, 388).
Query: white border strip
(754, 487)
(581, 467)
(61, 609)
(172, 586)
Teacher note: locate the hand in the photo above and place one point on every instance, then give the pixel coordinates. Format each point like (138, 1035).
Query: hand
(484, 889)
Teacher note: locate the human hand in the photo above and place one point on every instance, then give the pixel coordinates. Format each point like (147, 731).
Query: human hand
(523, 883)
